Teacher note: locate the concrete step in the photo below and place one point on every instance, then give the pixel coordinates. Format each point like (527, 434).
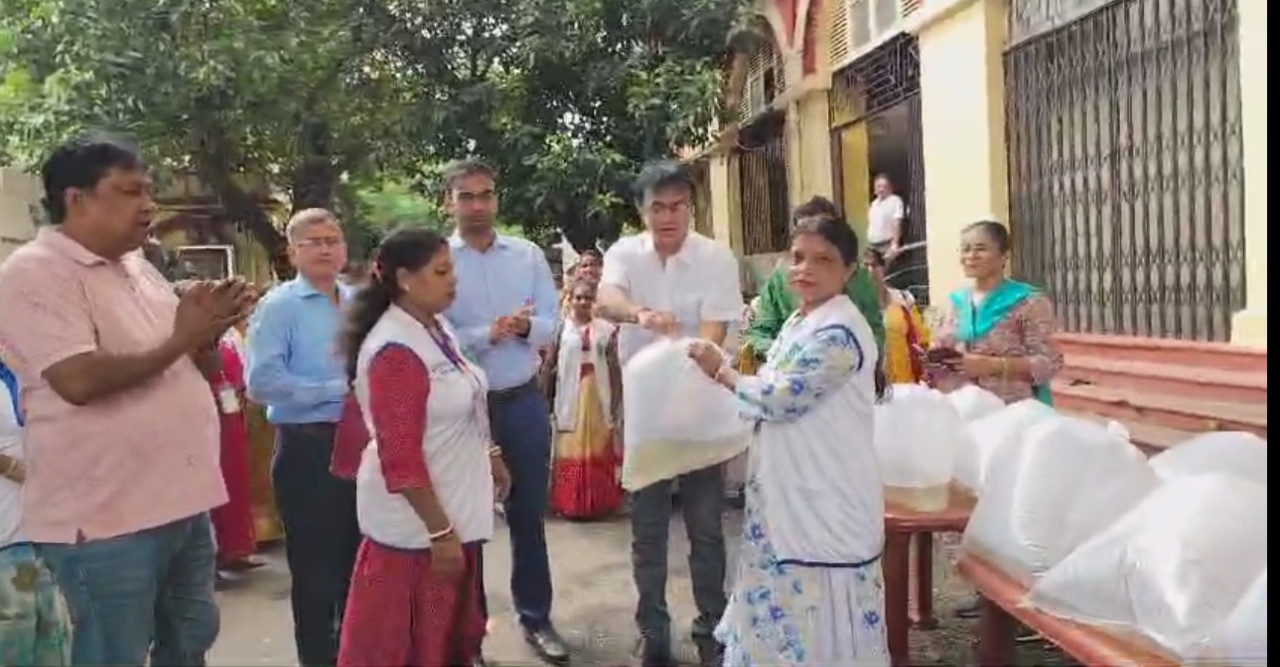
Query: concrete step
(1191, 354)
(1171, 411)
(1157, 378)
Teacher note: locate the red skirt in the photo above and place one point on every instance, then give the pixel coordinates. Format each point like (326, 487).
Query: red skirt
(584, 471)
(402, 613)
(233, 522)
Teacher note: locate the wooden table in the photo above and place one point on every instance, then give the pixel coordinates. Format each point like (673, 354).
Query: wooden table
(1002, 608)
(901, 524)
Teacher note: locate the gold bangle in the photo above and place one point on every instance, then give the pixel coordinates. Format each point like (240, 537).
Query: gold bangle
(495, 451)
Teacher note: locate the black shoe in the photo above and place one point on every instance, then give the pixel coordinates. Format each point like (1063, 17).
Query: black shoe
(710, 653)
(654, 655)
(548, 644)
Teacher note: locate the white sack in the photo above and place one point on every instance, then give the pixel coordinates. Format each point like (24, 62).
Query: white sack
(989, 433)
(675, 418)
(1241, 640)
(1232, 453)
(1171, 568)
(1065, 482)
(917, 433)
(974, 402)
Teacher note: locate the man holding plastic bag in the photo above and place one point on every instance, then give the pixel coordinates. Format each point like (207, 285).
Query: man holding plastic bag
(671, 281)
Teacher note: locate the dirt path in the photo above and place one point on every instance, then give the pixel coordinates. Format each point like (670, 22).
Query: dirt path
(593, 605)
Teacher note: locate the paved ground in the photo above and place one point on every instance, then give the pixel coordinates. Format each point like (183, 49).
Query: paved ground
(594, 605)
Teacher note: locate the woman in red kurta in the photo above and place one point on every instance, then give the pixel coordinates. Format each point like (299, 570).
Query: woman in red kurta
(427, 475)
(233, 521)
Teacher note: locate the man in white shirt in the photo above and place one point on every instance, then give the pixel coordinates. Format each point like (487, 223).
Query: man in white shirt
(672, 280)
(884, 219)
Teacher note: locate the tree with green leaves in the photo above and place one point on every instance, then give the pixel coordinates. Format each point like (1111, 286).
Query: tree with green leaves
(580, 94)
(301, 93)
(324, 97)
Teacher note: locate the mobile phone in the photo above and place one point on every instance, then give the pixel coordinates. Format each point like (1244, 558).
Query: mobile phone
(942, 355)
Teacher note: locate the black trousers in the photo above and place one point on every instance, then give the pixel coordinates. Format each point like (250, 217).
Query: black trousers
(321, 536)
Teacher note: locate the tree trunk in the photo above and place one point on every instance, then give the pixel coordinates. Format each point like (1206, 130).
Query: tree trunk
(245, 209)
(216, 168)
(314, 185)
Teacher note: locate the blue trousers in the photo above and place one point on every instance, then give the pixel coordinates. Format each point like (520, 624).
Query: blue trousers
(521, 427)
(124, 592)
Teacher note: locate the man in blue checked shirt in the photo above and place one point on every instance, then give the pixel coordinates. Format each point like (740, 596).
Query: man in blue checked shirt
(505, 312)
(295, 371)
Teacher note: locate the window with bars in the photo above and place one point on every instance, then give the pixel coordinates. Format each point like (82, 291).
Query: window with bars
(762, 179)
(765, 80)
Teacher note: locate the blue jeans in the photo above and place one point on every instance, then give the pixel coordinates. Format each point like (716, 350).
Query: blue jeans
(127, 591)
(521, 426)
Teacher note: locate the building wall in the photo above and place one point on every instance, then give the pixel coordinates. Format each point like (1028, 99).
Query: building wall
(962, 118)
(966, 173)
(808, 140)
(1250, 325)
(19, 194)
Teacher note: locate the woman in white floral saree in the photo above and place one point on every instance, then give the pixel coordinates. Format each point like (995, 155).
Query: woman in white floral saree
(809, 589)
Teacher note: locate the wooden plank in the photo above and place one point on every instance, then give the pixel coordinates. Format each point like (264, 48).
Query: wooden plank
(1091, 646)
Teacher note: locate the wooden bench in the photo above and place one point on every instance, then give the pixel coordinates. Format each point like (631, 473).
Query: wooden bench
(902, 523)
(1003, 608)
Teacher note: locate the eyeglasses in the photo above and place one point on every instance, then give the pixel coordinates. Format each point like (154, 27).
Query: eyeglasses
(321, 243)
(482, 197)
(659, 208)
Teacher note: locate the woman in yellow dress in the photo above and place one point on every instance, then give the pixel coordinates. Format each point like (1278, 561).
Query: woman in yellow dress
(582, 379)
(906, 336)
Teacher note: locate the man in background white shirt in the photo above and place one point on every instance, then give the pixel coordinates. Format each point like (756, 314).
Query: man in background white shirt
(884, 219)
(672, 280)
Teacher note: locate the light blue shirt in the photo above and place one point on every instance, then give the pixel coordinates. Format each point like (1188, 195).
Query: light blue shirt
(294, 366)
(511, 274)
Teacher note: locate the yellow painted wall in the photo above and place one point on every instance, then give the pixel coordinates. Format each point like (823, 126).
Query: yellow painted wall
(962, 113)
(966, 173)
(725, 222)
(810, 166)
(1250, 325)
(855, 175)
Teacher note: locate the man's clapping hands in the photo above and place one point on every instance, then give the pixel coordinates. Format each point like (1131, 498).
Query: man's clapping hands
(514, 325)
(207, 308)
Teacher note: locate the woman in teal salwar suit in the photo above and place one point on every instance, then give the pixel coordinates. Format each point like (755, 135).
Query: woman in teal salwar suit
(1002, 329)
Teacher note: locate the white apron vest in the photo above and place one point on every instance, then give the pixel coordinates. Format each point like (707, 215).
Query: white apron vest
(455, 445)
(569, 366)
(820, 475)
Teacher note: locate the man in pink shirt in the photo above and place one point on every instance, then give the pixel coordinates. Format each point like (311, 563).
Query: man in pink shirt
(122, 430)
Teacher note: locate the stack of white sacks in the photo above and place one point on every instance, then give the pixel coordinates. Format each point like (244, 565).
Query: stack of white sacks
(1172, 548)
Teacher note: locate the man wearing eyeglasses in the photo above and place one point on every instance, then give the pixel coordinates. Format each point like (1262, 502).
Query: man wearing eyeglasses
(505, 312)
(670, 279)
(294, 371)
